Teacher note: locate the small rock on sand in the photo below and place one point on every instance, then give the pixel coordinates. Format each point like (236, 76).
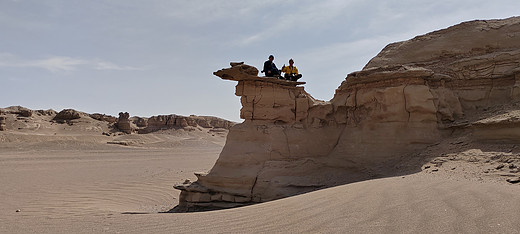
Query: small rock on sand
(514, 180)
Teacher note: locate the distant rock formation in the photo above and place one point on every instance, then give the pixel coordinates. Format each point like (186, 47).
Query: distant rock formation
(21, 118)
(2, 123)
(49, 112)
(103, 117)
(17, 110)
(406, 98)
(163, 122)
(123, 123)
(141, 122)
(23, 112)
(67, 114)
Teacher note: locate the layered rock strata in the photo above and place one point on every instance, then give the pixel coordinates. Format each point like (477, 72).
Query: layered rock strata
(123, 123)
(405, 99)
(163, 122)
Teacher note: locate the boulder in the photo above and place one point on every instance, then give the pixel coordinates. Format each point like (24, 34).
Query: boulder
(67, 114)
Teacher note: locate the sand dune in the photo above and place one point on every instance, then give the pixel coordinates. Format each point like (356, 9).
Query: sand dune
(123, 193)
(74, 182)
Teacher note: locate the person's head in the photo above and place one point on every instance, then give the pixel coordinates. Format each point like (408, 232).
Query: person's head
(291, 62)
(271, 57)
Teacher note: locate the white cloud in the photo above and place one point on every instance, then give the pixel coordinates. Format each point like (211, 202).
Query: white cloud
(311, 16)
(55, 63)
(61, 63)
(110, 66)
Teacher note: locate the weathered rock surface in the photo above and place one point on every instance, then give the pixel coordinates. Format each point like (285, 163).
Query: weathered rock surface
(2, 123)
(103, 117)
(17, 110)
(163, 122)
(67, 114)
(21, 118)
(408, 97)
(123, 123)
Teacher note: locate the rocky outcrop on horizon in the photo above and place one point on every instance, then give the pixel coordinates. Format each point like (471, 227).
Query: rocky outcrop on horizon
(162, 122)
(67, 115)
(124, 124)
(20, 111)
(411, 96)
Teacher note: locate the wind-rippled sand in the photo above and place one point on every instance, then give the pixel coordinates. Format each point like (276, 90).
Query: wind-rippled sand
(120, 189)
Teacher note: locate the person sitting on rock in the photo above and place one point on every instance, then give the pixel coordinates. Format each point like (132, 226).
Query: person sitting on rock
(291, 72)
(270, 68)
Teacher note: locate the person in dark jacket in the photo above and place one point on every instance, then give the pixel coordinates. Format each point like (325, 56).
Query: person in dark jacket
(270, 68)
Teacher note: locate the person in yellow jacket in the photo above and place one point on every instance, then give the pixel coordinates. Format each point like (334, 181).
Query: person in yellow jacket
(291, 72)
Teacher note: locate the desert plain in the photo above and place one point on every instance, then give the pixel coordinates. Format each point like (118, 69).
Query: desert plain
(72, 178)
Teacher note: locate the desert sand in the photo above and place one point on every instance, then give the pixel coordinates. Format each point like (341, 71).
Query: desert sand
(123, 190)
(61, 178)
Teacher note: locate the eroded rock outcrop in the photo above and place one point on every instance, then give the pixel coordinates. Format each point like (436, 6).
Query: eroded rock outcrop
(123, 123)
(103, 117)
(405, 99)
(68, 114)
(163, 122)
(17, 110)
(2, 123)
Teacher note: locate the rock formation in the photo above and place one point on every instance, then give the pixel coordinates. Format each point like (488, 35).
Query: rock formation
(103, 117)
(67, 114)
(2, 123)
(163, 122)
(123, 123)
(408, 97)
(17, 110)
(21, 118)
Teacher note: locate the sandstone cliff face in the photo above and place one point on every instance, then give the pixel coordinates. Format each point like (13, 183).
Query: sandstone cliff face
(405, 99)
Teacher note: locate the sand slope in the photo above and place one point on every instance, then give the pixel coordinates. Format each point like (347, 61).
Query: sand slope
(422, 203)
(68, 179)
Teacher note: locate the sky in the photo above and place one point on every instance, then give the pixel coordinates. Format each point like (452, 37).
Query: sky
(157, 57)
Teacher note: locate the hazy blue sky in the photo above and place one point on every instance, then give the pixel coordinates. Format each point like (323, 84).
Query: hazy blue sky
(153, 57)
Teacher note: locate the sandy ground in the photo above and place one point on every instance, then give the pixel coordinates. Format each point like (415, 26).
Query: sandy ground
(67, 179)
(123, 190)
